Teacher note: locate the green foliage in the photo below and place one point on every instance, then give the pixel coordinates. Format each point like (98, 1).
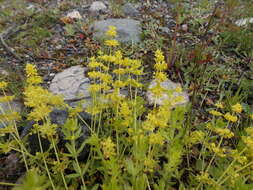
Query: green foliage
(132, 145)
(33, 181)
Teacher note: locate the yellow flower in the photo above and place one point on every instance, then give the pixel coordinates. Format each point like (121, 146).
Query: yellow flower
(40, 112)
(226, 133)
(156, 138)
(215, 113)
(3, 85)
(178, 89)
(32, 75)
(6, 98)
(111, 43)
(111, 32)
(149, 164)
(219, 105)
(159, 56)
(160, 76)
(230, 117)
(94, 88)
(237, 108)
(108, 148)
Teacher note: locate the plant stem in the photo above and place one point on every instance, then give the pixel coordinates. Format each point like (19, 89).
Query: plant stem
(218, 181)
(7, 184)
(58, 160)
(242, 168)
(77, 163)
(45, 163)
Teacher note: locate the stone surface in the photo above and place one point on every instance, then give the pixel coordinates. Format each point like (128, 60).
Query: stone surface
(128, 29)
(244, 21)
(74, 14)
(97, 6)
(3, 72)
(168, 85)
(129, 9)
(8, 107)
(71, 83)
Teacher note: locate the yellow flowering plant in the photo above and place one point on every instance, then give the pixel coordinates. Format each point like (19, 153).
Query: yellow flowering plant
(131, 145)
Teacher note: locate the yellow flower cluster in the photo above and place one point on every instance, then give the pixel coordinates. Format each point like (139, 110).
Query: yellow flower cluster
(32, 75)
(226, 133)
(36, 97)
(160, 66)
(205, 178)
(196, 137)
(216, 149)
(126, 113)
(6, 98)
(156, 138)
(219, 105)
(112, 31)
(215, 113)
(237, 108)
(248, 140)
(149, 164)
(157, 118)
(3, 85)
(108, 148)
(230, 117)
(111, 43)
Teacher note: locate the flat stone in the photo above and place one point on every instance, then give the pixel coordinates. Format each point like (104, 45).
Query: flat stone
(71, 83)
(74, 14)
(170, 86)
(244, 21)
(3, 72)
(128, 29)
(97, 6)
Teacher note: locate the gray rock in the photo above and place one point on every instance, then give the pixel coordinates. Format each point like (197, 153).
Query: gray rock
(97, 6)
(170, 86)
(244, 21)
(74, 14)
(128, 29)
(130, 9)
(3, 72)
(71, 83)
(5, 107)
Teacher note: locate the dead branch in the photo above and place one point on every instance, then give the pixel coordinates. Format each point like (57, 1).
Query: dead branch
(5, 46)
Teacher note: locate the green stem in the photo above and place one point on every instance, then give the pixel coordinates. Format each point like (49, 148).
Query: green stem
(242, 168)
(77, 163)
(231, 164)
(44, 160)
(7, 184)
(58, 160)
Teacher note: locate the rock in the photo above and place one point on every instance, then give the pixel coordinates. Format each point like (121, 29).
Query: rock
(128, 29)
(58, 117)
(168, 85)
(185, 27)
(129, 9)
(74, 14)
(14, 106)
(244, 21)
(3, 72)
(71, 83)
(97, 6)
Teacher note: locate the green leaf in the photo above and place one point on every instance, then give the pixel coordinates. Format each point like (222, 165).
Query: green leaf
(75, 175)
(69, 30)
